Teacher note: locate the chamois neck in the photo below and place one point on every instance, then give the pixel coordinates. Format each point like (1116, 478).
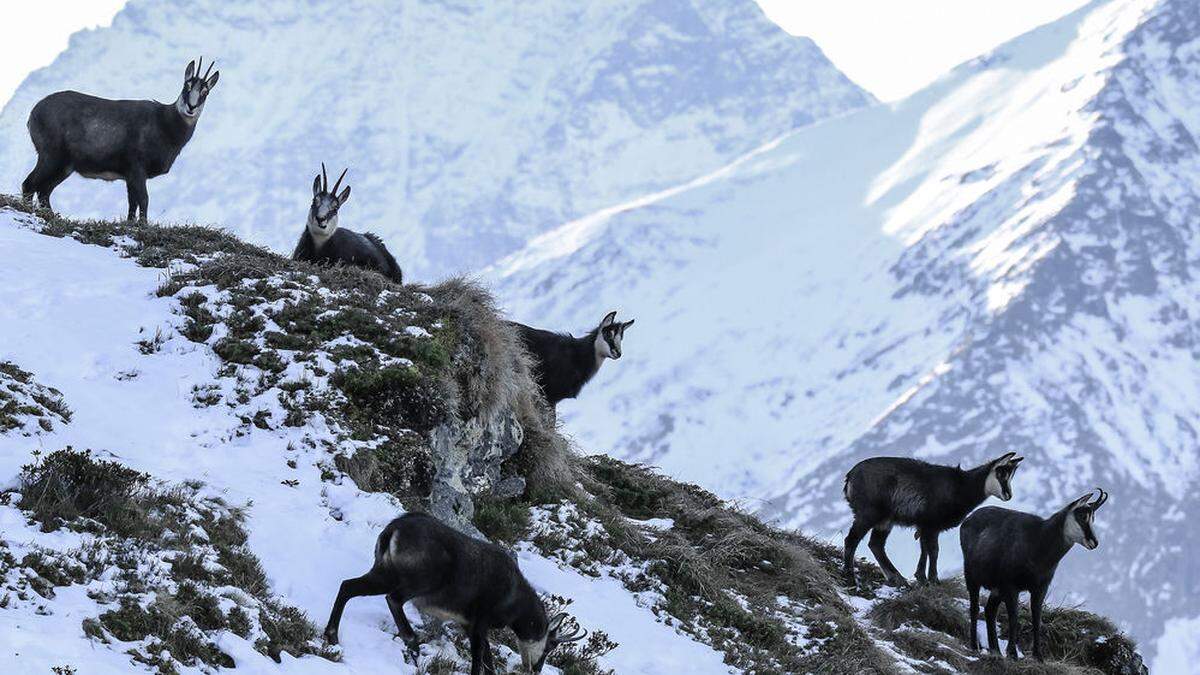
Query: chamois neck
(179, 127)
(1054, 543)
(975, 482)
(597, 359)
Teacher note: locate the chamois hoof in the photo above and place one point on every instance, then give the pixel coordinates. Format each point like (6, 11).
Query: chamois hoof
(331, 636)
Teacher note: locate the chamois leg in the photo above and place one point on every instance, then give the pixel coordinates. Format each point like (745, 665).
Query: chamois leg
(1036, 599)
(919, 575)
(858, 530)
(929, 544)
(395, 602)
(989, 617)
(35, 178)
(481, 651)
(878, 541)
(139, 198)
(973, 616)
(1014, 622)
(374, 582)
(55, 175)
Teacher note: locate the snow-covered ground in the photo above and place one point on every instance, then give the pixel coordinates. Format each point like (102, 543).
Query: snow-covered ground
(72, 315)
(1004, 260)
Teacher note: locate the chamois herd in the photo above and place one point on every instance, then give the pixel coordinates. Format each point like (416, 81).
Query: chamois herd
(455, 577)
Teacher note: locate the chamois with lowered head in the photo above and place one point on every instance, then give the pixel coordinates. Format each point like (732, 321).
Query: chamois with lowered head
(563, 363)
(887, 491)
(324, 243)
(132, 141)
(451, 576)
(1008, 552)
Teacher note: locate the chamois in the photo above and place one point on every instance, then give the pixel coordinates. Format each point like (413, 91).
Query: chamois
(451, 576)
(323, 242)
(100, 138)
(1008, 552)
(563, 364)
(887, 491)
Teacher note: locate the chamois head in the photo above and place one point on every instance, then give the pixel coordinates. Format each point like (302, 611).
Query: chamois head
(1077, 523)
(609, 335)
(322, 216)
(1000, 473)
(559, 630)
(195, 89)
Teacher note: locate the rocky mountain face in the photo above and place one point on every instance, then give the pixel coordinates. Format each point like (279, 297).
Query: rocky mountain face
(1003, 261)
(467, 127)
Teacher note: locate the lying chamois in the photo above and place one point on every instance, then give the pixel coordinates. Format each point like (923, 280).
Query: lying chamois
(1008, 552)
(324, 243)
(563, 364)
(451, 576)
(887, 491)
(100, 138)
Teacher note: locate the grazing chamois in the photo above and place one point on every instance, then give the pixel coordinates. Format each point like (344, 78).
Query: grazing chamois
(563, 364)
(887, 491)
(1008, 552)
(324, 243)
(132, 141)
(453, 577)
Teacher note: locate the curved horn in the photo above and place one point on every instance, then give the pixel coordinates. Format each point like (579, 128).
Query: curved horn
(339, 182)
(575, 636)
(199, 65)
(1100, 500)
(206, 73)
(324, 179)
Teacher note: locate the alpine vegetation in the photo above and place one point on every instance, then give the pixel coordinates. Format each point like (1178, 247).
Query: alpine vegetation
(563, 364)
(1008, 552)
(453, 577)
(323, 242)
(887, 491)
(100, 138)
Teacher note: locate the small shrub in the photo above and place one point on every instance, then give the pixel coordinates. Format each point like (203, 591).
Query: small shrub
(68, 484)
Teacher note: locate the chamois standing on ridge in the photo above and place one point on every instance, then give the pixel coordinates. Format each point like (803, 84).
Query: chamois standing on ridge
(887, 491)
(1008, 552)
(563, 364)
(324, 243)
(451, 576)
(100, 138)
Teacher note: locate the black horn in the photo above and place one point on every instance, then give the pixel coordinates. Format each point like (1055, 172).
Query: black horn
(207, 72)
(199, 65)
(1100, 500)
(324, 179)
(339, 181)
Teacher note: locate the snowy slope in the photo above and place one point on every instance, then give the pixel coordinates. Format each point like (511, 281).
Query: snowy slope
(72, 314)
(1002, 261)
(467, 129)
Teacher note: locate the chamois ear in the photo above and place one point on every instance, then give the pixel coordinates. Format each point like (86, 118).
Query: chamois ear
(317, 185)
(212, 81)
(608, 319)
(190, 70)
(1076, 503)
(1003, 459)
(344, 196)
(627, 324)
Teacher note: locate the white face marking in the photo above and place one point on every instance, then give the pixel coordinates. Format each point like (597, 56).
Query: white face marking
(1075, 534)
(603, 351)
(532, 650)
(322, 222)
(994, 487)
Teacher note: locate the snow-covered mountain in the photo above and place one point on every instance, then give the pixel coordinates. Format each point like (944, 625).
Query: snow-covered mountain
(1004, 260)
(467, 127)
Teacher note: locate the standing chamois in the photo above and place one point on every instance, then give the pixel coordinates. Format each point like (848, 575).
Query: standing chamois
(887, 491)
(563, 364)
(324, 243)
(453, 577)
(100, 138)
(1008, 552)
